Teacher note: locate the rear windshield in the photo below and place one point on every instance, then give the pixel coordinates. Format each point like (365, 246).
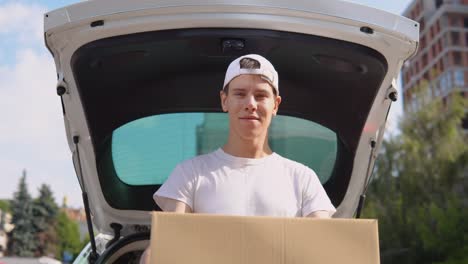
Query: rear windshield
(145, 151)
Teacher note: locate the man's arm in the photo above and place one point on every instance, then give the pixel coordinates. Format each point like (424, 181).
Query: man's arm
(167, 205)
(171, 205)
(320, 214)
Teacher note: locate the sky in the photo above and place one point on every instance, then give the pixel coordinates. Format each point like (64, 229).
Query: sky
(32, 133)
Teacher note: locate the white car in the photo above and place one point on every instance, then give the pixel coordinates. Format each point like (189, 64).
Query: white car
(139, 82)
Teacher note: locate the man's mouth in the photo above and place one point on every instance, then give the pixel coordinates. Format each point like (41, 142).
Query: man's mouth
(249, 118)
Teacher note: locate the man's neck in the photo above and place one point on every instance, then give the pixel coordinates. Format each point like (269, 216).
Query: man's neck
(252, 149)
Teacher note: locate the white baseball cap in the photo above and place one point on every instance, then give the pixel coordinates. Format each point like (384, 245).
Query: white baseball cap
(266, 71)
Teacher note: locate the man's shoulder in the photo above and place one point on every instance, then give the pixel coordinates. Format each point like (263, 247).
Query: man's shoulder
(296, 166)
(198, 160)
(288, 162)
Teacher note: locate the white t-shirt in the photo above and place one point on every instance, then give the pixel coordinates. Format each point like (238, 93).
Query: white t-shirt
(219, 183)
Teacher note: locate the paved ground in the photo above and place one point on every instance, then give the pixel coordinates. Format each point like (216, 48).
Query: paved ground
(15, 260)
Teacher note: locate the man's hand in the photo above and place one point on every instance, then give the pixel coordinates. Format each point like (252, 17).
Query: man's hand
(167, 205)
(320, 214)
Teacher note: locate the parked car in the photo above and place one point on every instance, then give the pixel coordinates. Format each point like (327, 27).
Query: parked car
(139, 84)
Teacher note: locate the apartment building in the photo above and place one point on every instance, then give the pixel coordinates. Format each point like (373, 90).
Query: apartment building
(442, 60)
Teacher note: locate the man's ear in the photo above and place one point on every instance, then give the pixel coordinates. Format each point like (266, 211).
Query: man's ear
(223, 97)
(277, 103)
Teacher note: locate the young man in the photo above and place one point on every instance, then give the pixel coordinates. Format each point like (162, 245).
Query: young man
(245, 177)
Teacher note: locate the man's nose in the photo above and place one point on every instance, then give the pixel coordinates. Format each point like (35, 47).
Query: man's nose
(251, 103)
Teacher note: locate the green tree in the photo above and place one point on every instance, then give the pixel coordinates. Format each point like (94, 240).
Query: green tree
(5, 206)
(45, 212)
(22, 240)
(419, 193)
(68, 236)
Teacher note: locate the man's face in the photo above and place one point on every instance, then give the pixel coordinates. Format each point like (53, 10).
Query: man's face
(251, 104)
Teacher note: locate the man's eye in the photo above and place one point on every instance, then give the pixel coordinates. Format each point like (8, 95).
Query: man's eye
(239, 94)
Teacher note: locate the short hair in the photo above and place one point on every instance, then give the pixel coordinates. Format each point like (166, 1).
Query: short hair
(251, 64)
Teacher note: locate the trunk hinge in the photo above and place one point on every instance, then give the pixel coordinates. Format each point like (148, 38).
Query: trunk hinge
(392, 95)
(93, 256)
(116, 227)
(362, 198)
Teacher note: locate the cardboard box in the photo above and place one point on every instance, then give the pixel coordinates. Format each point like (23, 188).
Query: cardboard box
(217, 239)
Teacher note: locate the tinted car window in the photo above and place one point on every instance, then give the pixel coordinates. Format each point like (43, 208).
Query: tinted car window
(145, 151)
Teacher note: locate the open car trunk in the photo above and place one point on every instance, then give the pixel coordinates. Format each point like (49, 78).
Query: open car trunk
(120, 62)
